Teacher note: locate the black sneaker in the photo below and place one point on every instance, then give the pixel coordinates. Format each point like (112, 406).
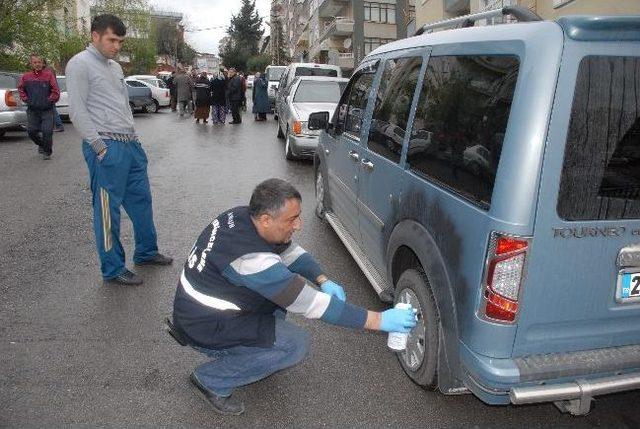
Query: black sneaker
(222, 404)
(40, 150)
(46, 156)
(127, 278)
(158, 259)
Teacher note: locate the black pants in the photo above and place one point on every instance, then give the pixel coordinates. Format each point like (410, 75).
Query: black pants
(40, 128)
(235, 110)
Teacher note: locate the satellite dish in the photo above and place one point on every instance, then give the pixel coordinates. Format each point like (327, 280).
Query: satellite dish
(346, 43)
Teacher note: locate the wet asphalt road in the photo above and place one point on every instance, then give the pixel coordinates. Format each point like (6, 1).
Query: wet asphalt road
(74, 351)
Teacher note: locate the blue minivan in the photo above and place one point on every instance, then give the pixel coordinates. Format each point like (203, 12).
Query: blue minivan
(490, 176)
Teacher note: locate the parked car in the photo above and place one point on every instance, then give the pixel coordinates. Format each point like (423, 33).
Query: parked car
(526, 278)
(140, 97)
(273, 74)
(63, 102)
(13, 112)
(250, 80)
(306, 95)
(303, 69)
(159, 90)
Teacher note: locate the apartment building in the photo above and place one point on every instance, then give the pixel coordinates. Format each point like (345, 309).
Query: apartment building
(342, 32)
(429, 11)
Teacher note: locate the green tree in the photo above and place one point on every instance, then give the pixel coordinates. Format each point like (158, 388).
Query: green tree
(234, 57)
(258, 63)
(28, 26)
(245, 29)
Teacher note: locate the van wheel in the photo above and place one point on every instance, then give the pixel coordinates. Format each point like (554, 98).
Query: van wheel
(280, 133)
(132, 107)
(320, 194)
(420, 359)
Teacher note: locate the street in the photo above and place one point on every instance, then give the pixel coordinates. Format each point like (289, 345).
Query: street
(76, 351)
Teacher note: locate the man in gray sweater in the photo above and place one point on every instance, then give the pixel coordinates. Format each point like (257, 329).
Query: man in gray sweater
(99, 109)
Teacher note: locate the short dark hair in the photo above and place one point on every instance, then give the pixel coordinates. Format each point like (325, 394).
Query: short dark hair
(101, 23)
(270, 196)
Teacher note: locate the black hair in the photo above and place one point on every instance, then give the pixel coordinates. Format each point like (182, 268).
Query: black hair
(101, 23)
(270, 196)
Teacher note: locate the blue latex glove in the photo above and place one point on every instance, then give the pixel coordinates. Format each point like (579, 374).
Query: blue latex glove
(398, 320)
(333, 289)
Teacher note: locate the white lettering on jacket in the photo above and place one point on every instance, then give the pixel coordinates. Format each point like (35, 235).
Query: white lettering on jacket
(212, 239)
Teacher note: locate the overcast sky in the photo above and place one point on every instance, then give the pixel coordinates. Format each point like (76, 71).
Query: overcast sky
(209, 13)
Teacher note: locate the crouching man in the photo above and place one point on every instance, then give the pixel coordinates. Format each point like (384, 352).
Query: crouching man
(242, 275)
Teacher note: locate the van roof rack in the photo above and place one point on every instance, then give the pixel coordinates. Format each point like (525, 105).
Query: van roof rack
(522, 14)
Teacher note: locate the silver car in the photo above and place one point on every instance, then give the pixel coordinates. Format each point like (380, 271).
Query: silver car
(305, 95)
(13, 112)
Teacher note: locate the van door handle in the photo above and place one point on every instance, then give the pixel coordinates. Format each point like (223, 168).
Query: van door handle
(354, 155)
(367, 164)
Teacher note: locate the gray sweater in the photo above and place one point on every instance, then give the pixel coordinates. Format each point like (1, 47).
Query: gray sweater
(98, 98)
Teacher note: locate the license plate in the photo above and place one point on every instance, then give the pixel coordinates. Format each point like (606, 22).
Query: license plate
(628, 287)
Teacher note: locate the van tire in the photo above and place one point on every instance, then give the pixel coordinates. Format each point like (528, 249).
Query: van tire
(415, 281)
(320, 189)
(280, 133)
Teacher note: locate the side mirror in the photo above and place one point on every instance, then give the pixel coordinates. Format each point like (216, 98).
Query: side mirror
(318, 121)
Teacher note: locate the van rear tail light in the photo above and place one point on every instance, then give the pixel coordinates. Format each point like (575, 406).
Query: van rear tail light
(297, 128)
(10, 99)
(505, 264)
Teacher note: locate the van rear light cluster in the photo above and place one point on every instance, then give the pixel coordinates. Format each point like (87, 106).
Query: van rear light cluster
(506, 259)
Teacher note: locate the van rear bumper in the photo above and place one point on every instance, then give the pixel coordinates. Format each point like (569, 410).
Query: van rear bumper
(578, 389)
(553, 377)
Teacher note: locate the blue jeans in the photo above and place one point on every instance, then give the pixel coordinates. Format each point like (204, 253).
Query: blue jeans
(57, 119)
(120, 179)
(241, 365)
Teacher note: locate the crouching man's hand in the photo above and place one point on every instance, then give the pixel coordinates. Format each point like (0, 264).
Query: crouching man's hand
(392, 320)
(333, 289)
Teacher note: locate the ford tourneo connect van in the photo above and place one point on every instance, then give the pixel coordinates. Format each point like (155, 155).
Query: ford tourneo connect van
(490, 176)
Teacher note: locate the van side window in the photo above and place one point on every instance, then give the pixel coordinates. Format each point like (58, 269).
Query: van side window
(354, 104)
(393, 103)
(601, 171)
(462, 115)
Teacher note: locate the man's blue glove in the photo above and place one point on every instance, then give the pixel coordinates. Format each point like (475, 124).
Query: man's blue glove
(398, 320)
(333, 289)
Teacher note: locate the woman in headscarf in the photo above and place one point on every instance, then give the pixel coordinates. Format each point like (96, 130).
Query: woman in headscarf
(218, 98)
(203, 98)
(260, 98)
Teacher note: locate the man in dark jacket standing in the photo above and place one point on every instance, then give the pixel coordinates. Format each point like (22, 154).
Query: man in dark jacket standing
(39, 90)
(234, 95)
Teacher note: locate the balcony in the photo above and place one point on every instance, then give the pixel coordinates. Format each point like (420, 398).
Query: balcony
(330, 8)
(456, 7)
(345, 60)
(340, 26)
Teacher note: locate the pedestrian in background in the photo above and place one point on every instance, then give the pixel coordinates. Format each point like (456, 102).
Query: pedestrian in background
(218, 98)
(260, 98)
(183, 91)
(193, 77)
(39, 90)
(117, 163)
(172, 90)
(203, 98)
(234, 95)
(244, 91)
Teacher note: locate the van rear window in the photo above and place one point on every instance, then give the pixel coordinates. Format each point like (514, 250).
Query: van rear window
(312, 71)
(601, 171)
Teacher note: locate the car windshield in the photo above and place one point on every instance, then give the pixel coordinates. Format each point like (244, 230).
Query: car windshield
(62, 83)
(8, 81)
(154, 82)
(274, 74)
(313, 71)
(319, 92)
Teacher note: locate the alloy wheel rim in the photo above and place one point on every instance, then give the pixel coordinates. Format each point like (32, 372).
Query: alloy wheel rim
(414, 354)
(319, 191)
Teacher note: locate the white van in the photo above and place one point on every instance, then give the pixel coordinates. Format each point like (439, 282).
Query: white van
(302, 69)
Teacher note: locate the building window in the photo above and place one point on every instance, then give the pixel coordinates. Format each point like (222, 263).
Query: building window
(370, 43)
(380, 12)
